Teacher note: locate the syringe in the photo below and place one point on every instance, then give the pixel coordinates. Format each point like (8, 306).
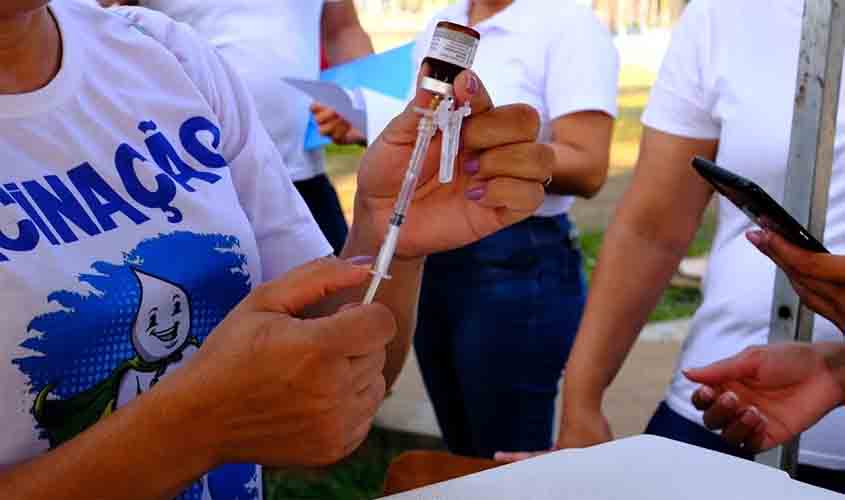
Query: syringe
(452, 50)
(425, 132)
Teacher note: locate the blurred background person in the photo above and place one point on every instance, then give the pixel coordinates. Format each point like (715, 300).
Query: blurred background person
(497, 318)
(707, 101)
(266, 41)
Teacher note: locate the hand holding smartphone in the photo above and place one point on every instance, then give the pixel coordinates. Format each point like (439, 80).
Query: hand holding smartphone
(757, 205)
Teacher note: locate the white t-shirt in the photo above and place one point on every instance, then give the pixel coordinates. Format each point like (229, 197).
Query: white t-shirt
(730, 75)
(552, 54)
(141, 200)
(265, 41)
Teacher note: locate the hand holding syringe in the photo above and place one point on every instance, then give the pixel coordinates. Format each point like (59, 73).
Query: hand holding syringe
(452, 50)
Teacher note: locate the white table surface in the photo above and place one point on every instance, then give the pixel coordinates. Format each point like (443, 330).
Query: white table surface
(639, 468)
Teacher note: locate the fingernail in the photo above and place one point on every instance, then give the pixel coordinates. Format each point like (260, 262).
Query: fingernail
(472, 84)
(751, 414)
(472, 166)
(755, 237)
(347, 307)
(361, 260)
(476, 194)
(728, 400)
(706, 394)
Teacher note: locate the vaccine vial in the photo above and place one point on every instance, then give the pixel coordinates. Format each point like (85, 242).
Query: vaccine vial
(452, 50)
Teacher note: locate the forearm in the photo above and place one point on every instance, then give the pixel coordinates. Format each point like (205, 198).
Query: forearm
(578, 171)
(347, 44)
(633, 270)
(149, 449)
(400, 294)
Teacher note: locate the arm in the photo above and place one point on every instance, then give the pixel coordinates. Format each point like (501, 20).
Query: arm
(266, 387)
(664, 189)
(581, 145)
(342, 35)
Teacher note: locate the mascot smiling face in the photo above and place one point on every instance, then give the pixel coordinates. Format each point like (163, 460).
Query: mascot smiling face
(163, 321)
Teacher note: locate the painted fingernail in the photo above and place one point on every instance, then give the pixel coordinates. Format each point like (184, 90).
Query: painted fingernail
(728, 400)
(472, 84)
(472, 166)
(750, 416)
(755, 237)
(476, 194)
(361, 260)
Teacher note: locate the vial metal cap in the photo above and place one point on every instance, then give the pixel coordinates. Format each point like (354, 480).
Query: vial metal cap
(436, 86)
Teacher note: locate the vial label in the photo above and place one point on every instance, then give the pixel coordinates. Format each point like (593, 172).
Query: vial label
(453, 47)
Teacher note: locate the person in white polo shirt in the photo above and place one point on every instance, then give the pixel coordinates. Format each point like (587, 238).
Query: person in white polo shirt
(497, 318)
(725, 92)
(266, 41)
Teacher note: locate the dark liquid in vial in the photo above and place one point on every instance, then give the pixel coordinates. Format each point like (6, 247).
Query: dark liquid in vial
(443, 71)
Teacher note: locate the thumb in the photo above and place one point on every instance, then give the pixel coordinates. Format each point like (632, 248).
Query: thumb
(307, 285)
(466, 87)
(739, 367)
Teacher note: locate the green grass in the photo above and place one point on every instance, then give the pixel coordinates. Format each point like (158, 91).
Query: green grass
(676, 303)
(360, 477)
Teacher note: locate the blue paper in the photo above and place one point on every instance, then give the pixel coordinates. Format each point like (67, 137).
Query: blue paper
(390, 73)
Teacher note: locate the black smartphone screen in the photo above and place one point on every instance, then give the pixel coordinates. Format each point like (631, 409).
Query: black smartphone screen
(757, 205)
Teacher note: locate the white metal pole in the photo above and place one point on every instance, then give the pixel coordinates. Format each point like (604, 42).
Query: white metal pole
(809, 169)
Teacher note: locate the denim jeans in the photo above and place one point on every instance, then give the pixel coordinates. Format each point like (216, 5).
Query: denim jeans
(497, 320)
(322, 200)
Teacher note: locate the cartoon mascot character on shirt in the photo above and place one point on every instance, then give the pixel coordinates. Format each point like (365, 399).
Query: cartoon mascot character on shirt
(162, 342)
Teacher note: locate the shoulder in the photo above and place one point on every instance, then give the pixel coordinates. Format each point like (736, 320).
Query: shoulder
(195, 55)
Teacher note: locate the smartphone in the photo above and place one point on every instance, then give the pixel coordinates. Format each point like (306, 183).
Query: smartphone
(757, 205)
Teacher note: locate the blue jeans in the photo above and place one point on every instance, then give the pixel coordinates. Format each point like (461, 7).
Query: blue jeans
(669, 424)
(497, 320)
(322, 200)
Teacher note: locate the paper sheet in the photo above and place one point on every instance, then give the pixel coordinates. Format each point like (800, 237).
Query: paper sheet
(332, 95)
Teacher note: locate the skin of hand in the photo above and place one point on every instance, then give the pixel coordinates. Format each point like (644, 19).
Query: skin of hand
(500, 184)
(620, 300)
(268, 386)
(334, 126)
(817, 277)
(765, 396)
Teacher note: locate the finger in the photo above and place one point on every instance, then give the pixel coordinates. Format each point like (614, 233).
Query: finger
(329, 127)
(512, 124)
(466, 86)
(358, 331)
(759, 440)
(724, 411)
(739, 430)
(364, 369)
(528, 161)
(743, 365)
(306, 285)
(340, 131)
(796, 261)
(513, 194)
(362, 411)
(704, 398)
(509, 458)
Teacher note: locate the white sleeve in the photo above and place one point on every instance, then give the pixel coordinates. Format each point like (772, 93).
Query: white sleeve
(284, 228)
(582, 68)
(683, 97)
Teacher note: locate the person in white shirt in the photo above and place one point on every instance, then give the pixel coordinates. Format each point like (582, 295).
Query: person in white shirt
(725, 92)
(266, 41)
(170, 317)
(498, 317)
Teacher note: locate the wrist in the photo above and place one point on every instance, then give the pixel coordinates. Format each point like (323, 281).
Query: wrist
(834, 358)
